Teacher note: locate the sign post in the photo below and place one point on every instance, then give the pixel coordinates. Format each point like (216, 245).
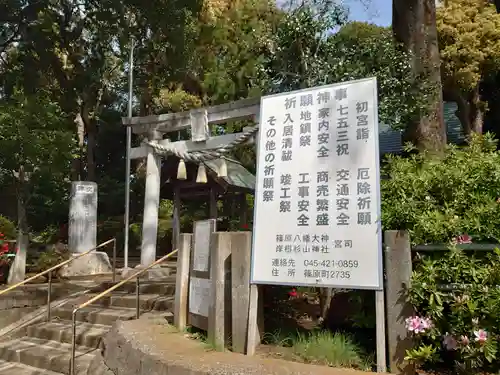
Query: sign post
(318, 182)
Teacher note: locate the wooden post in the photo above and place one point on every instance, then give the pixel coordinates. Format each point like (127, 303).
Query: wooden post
(255, 319)
(182, 281)
(219, 317)
(398, 270)
(213, 204)
(243, 210)
(151, 204)
(176, 219)
(241, 248)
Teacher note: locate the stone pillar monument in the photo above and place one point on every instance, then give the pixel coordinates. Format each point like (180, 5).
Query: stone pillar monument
(82, 229)
(82, 232)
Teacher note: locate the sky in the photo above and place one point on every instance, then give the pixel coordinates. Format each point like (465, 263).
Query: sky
(374, 11)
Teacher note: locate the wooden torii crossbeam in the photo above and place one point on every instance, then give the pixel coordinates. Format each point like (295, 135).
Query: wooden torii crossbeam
(153, 128)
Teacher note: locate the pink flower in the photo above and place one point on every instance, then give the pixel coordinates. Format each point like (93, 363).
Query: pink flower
(464, 340)
(449, 342)
(417, 324)
(425, 323)
(480, 336)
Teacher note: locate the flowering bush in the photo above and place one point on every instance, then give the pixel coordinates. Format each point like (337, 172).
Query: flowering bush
(5, 255)
(457, 303)
(437, 199)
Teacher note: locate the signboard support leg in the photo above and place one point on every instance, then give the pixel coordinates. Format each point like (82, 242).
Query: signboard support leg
(380, 318)
(252, 340)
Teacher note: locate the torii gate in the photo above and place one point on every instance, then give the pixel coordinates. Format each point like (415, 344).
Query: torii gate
(201, 147)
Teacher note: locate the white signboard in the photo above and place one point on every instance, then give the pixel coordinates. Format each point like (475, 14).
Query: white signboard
(202, 232)
(199, 296)
(317, 214)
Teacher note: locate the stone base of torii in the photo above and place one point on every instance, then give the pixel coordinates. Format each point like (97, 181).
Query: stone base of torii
(201, 147)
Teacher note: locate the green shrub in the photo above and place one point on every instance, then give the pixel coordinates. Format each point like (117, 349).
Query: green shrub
(8, 228)
(438, 198)
(50, 258)
(459, 295)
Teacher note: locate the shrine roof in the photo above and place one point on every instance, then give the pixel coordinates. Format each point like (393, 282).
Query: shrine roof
(238, 180)
(237, 174)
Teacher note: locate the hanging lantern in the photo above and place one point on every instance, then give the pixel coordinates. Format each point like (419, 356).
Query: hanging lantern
(201, 177)
(181, 170)
(222, 168)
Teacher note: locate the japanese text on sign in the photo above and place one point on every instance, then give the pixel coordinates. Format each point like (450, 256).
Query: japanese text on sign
(318, 184)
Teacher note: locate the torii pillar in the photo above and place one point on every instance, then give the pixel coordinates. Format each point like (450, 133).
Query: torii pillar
(151, 202)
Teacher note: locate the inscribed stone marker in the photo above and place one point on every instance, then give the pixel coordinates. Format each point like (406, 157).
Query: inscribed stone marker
(82, 228)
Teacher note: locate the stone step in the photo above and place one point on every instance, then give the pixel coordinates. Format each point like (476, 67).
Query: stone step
(95, 314)
(163, 287)
(46, 354)
(89, 335)
(12, 368)
(128, 300)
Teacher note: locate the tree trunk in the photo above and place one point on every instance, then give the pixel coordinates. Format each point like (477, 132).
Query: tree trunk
(18, 268)
(476, 112)
(78, 162)
(414, 25)
(325, 299)
(91, 146)
(470, 110)
(90, 130)
(463, 114)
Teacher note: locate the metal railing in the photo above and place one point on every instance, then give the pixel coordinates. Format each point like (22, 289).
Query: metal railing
(56, 267)
(135, 276)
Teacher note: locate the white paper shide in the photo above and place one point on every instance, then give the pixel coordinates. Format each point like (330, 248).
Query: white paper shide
(317, 215)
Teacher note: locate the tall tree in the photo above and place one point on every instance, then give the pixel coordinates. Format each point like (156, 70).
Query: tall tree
(71, 43)
(35, 147)
(469, 38)
(414, 25)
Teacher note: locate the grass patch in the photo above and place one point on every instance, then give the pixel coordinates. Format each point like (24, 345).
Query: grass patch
(330, 349)
(319, 347)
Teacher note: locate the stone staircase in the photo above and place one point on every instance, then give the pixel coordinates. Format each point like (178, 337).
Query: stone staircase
(45, 348)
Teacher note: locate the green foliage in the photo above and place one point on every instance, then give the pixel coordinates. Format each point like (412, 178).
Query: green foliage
(438, 198)
(361, 50)
(232, 49)
(50, 258)
(305, 55)
(469, 41)
(297, 57)
(467, 306)
(8, 228)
